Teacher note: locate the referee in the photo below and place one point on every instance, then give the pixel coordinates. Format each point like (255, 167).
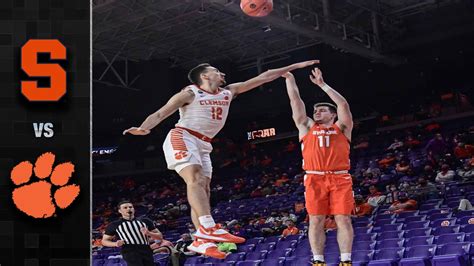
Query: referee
(133, 236)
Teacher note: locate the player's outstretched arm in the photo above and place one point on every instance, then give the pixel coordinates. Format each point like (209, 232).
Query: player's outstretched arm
(298, 109)
(267, 76)
(174, 103)
(344, 114)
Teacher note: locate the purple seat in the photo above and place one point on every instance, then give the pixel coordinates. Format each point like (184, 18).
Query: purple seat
(366, 237)
(384, 221)
(98, 257)
(418, 232)
(450, 238)
(273, 262)
(443, 222)
(384, 216)
(298, 261)
(418, 255)
(390, 234)
(235, 257)
(255, 241)
(429, 212)
(407, 214)
(363, 245)
(453, 191)
(331, 258)
(461, 214)
(469, 237)
(429, 206)
(265, 246)
(391, 227)
(258, 255)
(286, 244)
(362, 257)
(361, 224)
(246, 248)
(272, 239)
(332, 233)
(302, 226)
(437, 216)
(112, 261)
(468, 228)
(417, 224)
(419, 241)
(465, 220)
(305, 242)
(293, 237)
(452, 254)
(446, 230)
(453, 204)
(387, 256)
(194, 260)
(278, 253)
(361, 219)
(213, 260)
(248, 263)
(302, 251)
(434, 201)
(382, 209)
(415, 218)
(331, 248)
(362, 230)
(390, 243)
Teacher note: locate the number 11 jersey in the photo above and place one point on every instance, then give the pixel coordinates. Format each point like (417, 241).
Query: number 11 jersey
(207, 113)
(325, 149)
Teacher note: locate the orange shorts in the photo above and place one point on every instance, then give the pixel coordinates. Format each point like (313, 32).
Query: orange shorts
(329, 194)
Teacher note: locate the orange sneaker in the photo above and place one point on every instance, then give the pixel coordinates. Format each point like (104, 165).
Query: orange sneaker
(217, 234)
(206, 248)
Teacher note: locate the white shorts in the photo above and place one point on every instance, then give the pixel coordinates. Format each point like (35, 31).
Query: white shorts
(183, 149)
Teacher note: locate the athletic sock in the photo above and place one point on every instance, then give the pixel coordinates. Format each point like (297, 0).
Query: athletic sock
(345, 256)
(318, 258)
(207, 221)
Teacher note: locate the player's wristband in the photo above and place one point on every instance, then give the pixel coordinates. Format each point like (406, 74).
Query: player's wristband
(325, 87)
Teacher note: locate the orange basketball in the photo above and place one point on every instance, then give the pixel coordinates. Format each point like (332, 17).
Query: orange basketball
(256, 8)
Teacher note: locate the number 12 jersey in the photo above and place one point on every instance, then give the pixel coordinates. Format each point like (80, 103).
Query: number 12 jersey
(207, 113)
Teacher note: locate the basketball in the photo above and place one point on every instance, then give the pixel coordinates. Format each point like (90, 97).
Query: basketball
(256, 8)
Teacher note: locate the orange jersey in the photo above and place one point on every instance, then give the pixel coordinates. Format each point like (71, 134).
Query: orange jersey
(325, 149)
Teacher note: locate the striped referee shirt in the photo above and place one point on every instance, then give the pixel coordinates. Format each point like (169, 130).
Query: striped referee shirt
(129, 230)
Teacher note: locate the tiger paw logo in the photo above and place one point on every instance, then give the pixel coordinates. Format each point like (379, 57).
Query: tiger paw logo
(180, 155)
(36, 198)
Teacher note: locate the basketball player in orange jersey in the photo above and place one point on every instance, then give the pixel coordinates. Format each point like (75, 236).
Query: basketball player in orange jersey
(203, 108)
(325, 148)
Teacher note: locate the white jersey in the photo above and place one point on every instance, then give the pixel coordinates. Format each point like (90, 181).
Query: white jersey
(207, 113)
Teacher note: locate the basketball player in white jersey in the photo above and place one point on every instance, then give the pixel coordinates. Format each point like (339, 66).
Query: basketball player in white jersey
(203, 108)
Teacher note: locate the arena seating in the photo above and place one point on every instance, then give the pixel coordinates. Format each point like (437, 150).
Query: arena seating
(434, 234)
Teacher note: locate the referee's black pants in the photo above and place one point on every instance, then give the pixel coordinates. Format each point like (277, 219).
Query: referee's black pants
(138, 255)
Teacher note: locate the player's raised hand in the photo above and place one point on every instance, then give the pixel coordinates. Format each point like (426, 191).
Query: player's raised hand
(138, 131)
(317, 77)
(306, 63)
